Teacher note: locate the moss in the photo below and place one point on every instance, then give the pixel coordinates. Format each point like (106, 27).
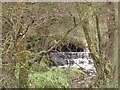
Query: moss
(57, 77)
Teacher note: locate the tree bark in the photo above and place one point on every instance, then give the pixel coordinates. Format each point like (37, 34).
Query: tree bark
(91, 47)
(23, 63)
(96, 55)
(111, 51)
(111, 29)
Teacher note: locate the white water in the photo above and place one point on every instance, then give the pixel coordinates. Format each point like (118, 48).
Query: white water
(79, 60)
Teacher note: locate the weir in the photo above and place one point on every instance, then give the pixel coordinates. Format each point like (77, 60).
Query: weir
(73, 59)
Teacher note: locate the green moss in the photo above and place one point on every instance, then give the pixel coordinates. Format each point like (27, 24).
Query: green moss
(57, 77)
(47, 79)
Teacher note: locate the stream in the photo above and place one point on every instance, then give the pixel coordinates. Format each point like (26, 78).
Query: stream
(81, 60)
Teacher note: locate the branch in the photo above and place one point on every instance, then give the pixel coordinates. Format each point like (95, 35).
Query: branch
(26, 30)
(62, 38)
(98, 34)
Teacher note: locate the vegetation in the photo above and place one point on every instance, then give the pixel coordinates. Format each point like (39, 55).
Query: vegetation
(31, 30)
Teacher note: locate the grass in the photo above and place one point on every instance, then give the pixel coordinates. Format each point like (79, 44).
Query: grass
(55, 78)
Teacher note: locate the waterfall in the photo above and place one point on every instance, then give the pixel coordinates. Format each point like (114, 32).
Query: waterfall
(73, 59)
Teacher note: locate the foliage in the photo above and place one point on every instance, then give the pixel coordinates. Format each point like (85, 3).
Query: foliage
(48, 79)
(55, 78)
(31, 30)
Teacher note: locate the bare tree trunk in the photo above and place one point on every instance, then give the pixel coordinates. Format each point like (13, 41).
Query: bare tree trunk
(23, 75)
(23, 63)
(91, 46)
(111, 52)
(97, 56)
(98, 61)
(111, 30)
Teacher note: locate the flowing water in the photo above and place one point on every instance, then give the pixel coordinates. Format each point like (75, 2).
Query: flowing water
(82, 60)
(74, 59)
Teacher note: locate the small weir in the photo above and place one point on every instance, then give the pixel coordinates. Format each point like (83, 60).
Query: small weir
(82, 60)
(73, 59)
(69, 55)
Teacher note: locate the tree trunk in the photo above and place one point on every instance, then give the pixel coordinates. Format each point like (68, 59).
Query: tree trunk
(97, 55)
(111, 52)
(23, 75)
(111, 30)
(23, 63)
